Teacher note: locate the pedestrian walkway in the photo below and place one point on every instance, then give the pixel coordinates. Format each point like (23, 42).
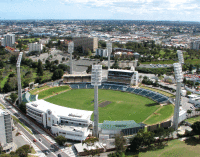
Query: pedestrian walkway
(70, 151)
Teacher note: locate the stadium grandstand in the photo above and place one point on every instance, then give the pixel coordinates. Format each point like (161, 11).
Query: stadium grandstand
(159, 98)
(123, 76)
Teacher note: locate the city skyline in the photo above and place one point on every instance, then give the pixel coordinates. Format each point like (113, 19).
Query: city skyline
(169, 10)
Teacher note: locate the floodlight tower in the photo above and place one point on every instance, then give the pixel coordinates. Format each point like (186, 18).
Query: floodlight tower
(71, 50)
(96, 78)
(180, 56)
(179, 79)
(19, 78)
(109, 50)
(137, 55)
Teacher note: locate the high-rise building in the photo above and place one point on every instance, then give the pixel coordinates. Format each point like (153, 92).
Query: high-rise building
(86, 43)
(195, 45)
(8, 40)
(6, 137)
(35, 47)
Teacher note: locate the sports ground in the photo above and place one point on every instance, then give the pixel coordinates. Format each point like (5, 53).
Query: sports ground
(113, 105)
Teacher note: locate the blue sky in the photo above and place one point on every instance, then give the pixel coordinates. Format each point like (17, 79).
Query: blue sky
(182, 10)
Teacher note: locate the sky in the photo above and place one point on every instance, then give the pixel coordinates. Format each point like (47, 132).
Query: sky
(172, 10)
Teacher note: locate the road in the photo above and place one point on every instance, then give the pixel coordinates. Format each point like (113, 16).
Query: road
(44, 145)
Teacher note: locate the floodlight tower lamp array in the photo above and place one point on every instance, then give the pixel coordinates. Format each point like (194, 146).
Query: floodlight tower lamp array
(109, 50)
(19, 77)
(179, 79)
(71, 50)
(96, 78)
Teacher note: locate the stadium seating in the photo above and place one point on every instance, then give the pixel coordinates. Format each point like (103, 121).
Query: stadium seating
(74, 86)
(89, 86)
(140, 91)
(144, 92)
(137, 91)
(82, 86)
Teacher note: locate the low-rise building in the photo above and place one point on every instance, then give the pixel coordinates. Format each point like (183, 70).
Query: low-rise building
(35, 47)
(70, 123)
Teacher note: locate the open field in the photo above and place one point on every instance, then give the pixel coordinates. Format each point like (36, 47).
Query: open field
(123, 106)
(192, 120)
(176, 148)
(159, 91)
(162, 114)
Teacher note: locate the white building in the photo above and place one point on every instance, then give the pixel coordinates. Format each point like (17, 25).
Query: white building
(102, 52)
(70, 123)
(35, 47)
(6, 137)
(8, 40)
(44, 41)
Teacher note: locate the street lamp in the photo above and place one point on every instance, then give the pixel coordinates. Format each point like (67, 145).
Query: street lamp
(109, 50)
(96, 77)
(19, 78)
(179, 79)
(71, 50)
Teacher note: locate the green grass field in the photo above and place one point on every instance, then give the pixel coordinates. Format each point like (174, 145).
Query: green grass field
(192, 120)
(52, 91)
(162, 114)
(175, 148)
(124, 106)
(46, 91)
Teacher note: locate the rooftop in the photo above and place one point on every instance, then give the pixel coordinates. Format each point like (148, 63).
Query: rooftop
(118, 125)
(60, 111)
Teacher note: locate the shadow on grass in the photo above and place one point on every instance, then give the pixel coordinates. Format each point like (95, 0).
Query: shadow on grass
(153, 104)
(193, 141)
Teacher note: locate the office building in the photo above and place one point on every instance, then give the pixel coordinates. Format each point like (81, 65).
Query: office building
(35, 47)
(86, 43)
(6, 137)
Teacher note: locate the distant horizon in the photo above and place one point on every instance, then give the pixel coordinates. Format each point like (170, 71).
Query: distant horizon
(98, 20)
(154, 10)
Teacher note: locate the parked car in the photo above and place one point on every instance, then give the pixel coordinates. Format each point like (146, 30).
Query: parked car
(34, 140)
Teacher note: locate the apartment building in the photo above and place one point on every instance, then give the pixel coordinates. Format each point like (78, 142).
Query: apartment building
(102, 52)
(6, 137)
(86, 43)
(35, 47)
(8, 40)
(195, 45)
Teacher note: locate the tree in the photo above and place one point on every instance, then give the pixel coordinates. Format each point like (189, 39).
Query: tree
(60, 140)
(56, 61)
(13, 97)
(22, 107)
(57, 74)
(120, 143)
(23, 151)
(196, 128)
(40, 68)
